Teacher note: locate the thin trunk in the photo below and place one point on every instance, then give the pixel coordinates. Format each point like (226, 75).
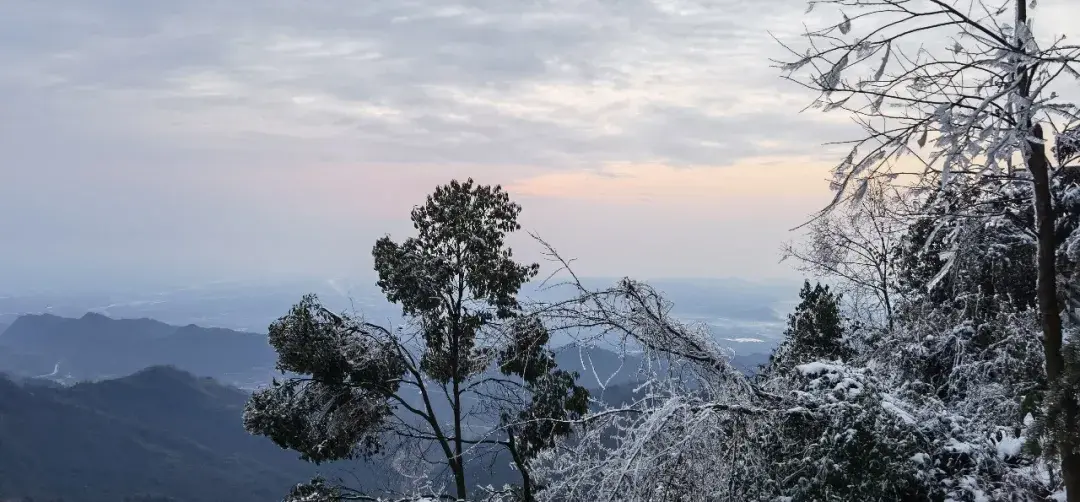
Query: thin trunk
(459, 477)
(456, 467)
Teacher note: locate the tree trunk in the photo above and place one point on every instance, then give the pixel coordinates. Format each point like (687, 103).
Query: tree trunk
(526, 479)
(1050, 311)
(459, 477)
(456, 355)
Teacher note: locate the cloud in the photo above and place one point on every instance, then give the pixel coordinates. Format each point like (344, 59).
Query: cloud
(754, 181)
(556, 83)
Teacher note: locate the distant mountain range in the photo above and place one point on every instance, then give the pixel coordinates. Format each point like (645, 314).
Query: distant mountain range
(164, 435)
(738, 311)
(95, 347)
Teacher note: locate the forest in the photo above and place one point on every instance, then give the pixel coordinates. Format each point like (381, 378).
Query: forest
(933, 356)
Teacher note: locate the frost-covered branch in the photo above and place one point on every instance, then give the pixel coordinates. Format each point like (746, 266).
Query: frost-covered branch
(954, 104)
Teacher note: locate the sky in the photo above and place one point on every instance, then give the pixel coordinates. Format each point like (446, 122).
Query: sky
(179, 142)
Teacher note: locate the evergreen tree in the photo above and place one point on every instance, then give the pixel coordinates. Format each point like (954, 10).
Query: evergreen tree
(815, 331)
(352, 384)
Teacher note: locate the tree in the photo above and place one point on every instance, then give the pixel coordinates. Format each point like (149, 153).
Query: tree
(351, 385)
(815, 331)
(967, 110)
(856, 246)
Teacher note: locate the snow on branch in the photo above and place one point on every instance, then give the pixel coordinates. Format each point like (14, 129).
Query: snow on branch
(953, 84)
(639, 316)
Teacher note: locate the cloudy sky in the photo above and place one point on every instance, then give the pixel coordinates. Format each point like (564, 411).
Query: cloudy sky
(196, 140)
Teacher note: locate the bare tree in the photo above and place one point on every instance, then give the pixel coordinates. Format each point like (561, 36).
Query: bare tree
(855, 246)
(971, 110)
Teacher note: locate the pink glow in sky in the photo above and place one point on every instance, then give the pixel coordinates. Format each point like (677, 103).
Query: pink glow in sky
(198, 140)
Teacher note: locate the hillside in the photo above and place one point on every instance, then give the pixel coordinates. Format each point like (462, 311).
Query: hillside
(159, 432)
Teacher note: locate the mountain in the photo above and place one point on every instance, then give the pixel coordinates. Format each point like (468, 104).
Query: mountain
(162, 431)
(159, 432)
(242, 306)
(95, 347)
(732, 308)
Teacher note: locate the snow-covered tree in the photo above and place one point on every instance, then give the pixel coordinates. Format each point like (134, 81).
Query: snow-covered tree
(867, 428)
(966, 88)
(350, 386)
(854, 248)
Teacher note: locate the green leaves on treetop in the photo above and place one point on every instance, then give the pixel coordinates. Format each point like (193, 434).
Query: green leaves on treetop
(456, 275)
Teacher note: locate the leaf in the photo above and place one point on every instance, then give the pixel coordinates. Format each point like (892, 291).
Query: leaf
(1071, 71)
(1033, 4)
(884, 61)
(794, 65)
(946, 171)
(876, 105)
(863, 49)
(944, 270)
(830, 80)
(835, 105)
(845, 26)
(957, 48)
(861, 191)
(922, 139)
(810, 7)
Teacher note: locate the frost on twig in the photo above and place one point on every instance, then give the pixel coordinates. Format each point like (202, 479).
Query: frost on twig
(691, 402)
(941, 82)
(865, 429)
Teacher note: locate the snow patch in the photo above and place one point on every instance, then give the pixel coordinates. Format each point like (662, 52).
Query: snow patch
(814, 368)
(901, 414)
(1010, 447)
